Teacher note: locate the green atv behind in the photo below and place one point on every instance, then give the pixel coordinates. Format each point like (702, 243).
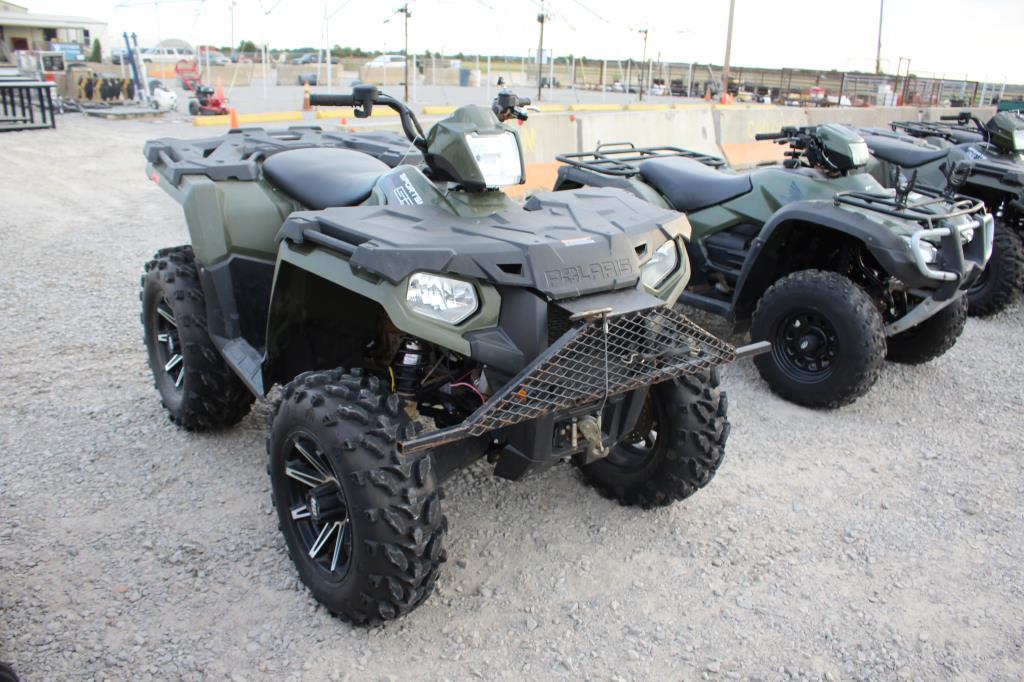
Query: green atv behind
(837, 272)
(418, 320)
(984, 161)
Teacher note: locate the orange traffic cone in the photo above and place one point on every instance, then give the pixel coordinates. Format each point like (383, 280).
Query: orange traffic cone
(234, 118)
(306, 106)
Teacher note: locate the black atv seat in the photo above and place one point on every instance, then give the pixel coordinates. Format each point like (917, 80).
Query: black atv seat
(690, 185)
(321, 177)
(903, 154)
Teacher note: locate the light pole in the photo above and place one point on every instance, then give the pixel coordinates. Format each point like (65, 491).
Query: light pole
(541, 18)
(643, 64)
(728, 51)
(878, 54)
(405, 11)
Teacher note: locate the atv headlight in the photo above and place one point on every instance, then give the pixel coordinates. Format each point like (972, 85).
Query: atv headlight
(928, 252)
(662, 264)
(441, 298)
(1018, 140)
(859, 154)
(497, 157)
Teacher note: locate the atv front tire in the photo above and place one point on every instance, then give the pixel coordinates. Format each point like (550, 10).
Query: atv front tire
(1001, 282)
(676, 447)
(362, 523)
(827, 336)
(197, 388)
(931, 338)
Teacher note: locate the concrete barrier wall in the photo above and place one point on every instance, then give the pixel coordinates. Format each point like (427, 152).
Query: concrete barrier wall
(690, 128)
(544, 136)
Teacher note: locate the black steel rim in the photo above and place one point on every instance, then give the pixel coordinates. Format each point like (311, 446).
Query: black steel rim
(167, 342)
(641, 445)
(317, 507)
(806, 346)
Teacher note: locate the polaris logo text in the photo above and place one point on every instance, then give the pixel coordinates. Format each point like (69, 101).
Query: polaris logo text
(589, 273)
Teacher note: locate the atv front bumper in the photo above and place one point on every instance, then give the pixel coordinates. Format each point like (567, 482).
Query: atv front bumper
(600, 358)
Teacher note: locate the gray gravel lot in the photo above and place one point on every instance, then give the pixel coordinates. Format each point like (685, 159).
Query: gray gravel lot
(882, 540)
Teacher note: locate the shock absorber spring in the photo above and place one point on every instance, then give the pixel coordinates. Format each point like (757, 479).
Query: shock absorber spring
(408, 366)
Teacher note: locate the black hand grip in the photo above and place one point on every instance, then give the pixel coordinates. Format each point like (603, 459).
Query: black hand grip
(770, 136)
(524, 101)
(951, 117)
(331, 100)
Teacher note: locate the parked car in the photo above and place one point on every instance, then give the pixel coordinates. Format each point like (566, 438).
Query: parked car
(117, 55)
(216, 58)
(166, 55)
(387, 61)
(311, 58)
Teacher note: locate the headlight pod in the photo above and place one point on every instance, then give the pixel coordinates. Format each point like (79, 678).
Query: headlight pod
(441, 298)
(662, 264)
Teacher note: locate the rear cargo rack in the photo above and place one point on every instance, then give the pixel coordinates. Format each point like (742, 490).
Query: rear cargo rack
(594, 359)
(237, 154)
(927, 129)
(622, 158)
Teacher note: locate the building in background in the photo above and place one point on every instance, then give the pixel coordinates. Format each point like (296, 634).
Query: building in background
(23, 30)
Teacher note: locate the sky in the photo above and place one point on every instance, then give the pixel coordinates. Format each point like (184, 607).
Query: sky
(953, 38)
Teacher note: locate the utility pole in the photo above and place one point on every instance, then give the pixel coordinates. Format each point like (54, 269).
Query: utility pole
(728, 51)
(540, 50)
(643, 64)
(405, 11)
(231, 8)
(878, 54)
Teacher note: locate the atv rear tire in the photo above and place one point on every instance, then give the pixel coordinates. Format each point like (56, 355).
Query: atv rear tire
(677, 446)
(1001, 282)
(198, 390)
(193, 108)
(931, 338)
(827, 336)
(333, 437)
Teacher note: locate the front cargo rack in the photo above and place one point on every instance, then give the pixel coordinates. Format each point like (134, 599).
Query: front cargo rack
(598, 357)
(921, 211)
(622, 158)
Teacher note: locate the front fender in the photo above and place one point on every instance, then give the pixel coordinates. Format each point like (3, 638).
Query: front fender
(350, 287)
(761, 264)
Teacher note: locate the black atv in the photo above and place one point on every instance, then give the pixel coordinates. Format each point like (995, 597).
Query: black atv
(418, 320)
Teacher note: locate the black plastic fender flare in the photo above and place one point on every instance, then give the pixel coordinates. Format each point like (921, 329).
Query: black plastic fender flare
(759, 268)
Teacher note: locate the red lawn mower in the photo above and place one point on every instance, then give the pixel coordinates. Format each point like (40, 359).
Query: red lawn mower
(205, 101)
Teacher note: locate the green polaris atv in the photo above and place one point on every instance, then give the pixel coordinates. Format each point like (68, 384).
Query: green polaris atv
(418, 320)
(837, 272)
(989, 166)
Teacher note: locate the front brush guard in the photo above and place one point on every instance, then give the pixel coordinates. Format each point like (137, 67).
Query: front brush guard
(600, 356)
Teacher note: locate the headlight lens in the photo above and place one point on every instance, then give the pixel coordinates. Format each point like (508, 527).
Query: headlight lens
(1018, 140)
(859, 154)
(497, 157)
(662, 264)
(927, 250)
(441, 298)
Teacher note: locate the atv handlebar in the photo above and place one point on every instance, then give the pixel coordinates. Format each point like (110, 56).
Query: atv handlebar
(949, 117)
(363, 98)
(331, 100)
(772, 136)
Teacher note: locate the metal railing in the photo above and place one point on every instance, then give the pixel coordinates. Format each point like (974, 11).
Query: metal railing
(26, 105)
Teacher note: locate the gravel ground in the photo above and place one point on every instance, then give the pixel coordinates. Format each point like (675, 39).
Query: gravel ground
(882, 540)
